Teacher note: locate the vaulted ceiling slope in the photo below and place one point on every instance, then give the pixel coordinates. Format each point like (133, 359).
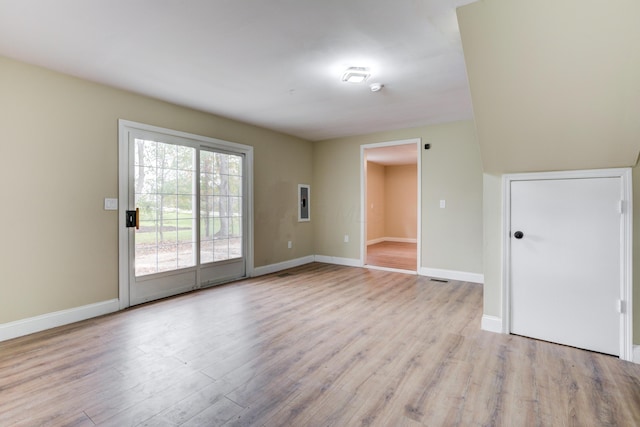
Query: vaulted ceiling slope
(273, 63)
(555, 84)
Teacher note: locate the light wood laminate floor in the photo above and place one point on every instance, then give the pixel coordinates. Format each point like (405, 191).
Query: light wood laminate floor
(319, 345)
(398, 255)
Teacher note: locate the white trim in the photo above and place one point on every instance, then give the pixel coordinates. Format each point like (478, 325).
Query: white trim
(363, 191)
(636, 354)
(626, 287)
(273, 268)
(123, 205)
(349, 262)
(626, 239)
(376, 241)
(462, 276)
(491, 324)
(393, 270)
(31, 325)
(391, 239)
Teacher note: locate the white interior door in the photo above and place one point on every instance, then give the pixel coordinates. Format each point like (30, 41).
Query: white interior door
(566, 261)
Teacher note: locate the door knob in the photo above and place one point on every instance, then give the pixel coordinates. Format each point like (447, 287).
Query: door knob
(518, 234)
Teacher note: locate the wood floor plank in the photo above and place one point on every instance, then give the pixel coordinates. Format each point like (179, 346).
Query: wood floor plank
(316, 345)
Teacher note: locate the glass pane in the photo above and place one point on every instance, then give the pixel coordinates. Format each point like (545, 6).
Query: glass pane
(148, 205)
(168, 208)
(167, 156)
(236, 206)
(221, 249)
(206, 228)
(146, 258)
(167, 181)
(235, 230)
(235, 185)
(206, 184)
(186, 232)
(235, 247)
(186, 158)
(167, 257)
(186, 182)
(206, 251)
(145, 178)
(145, 153)
(235, 165)
(186, 254)
(221, 177)
(220, 206)
(168, 234)
(164, 182)
(206, 162)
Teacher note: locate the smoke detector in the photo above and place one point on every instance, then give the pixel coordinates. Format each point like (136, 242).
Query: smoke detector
(376, 87)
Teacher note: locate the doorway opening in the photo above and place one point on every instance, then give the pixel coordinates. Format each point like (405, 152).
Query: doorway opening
(390, 200)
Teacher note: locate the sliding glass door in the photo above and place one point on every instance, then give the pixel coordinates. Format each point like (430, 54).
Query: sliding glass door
(186, 214)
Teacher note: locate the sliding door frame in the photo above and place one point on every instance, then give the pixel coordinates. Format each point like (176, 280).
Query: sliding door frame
(201, 142)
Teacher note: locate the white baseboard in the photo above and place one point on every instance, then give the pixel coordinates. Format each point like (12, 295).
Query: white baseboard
(273, 268)
(392, 239)
(636, 354)
(394, 270)
(401, 239)
(349, 262)
(463, 276)
(59, 318)
(491, 324)
(375, 241)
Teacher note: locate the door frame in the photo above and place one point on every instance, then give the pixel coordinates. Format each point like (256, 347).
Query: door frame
(363, 198)
(626, 245)
(124, 127)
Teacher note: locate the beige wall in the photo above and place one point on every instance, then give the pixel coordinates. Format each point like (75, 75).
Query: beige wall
(554, 86)
(492, 244)
(392, 201)
(451, 170)
(375, 200)
(554, 83)
(59, 152)
(401, 201)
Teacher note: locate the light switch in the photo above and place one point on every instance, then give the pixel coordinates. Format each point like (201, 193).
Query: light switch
(443, 204)
(110, 204)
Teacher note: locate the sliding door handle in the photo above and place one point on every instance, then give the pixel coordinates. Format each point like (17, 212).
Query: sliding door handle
(132, 219)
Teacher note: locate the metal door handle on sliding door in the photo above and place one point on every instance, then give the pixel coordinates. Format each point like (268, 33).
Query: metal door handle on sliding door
(132, 219)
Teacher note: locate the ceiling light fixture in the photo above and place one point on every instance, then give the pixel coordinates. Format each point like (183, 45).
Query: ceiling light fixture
(355, 75)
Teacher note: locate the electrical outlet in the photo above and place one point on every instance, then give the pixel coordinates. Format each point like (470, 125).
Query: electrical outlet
(346, 238)
(289, 244)
(443, 204)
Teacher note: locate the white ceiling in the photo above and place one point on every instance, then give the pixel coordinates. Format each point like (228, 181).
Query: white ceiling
(272, 63)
